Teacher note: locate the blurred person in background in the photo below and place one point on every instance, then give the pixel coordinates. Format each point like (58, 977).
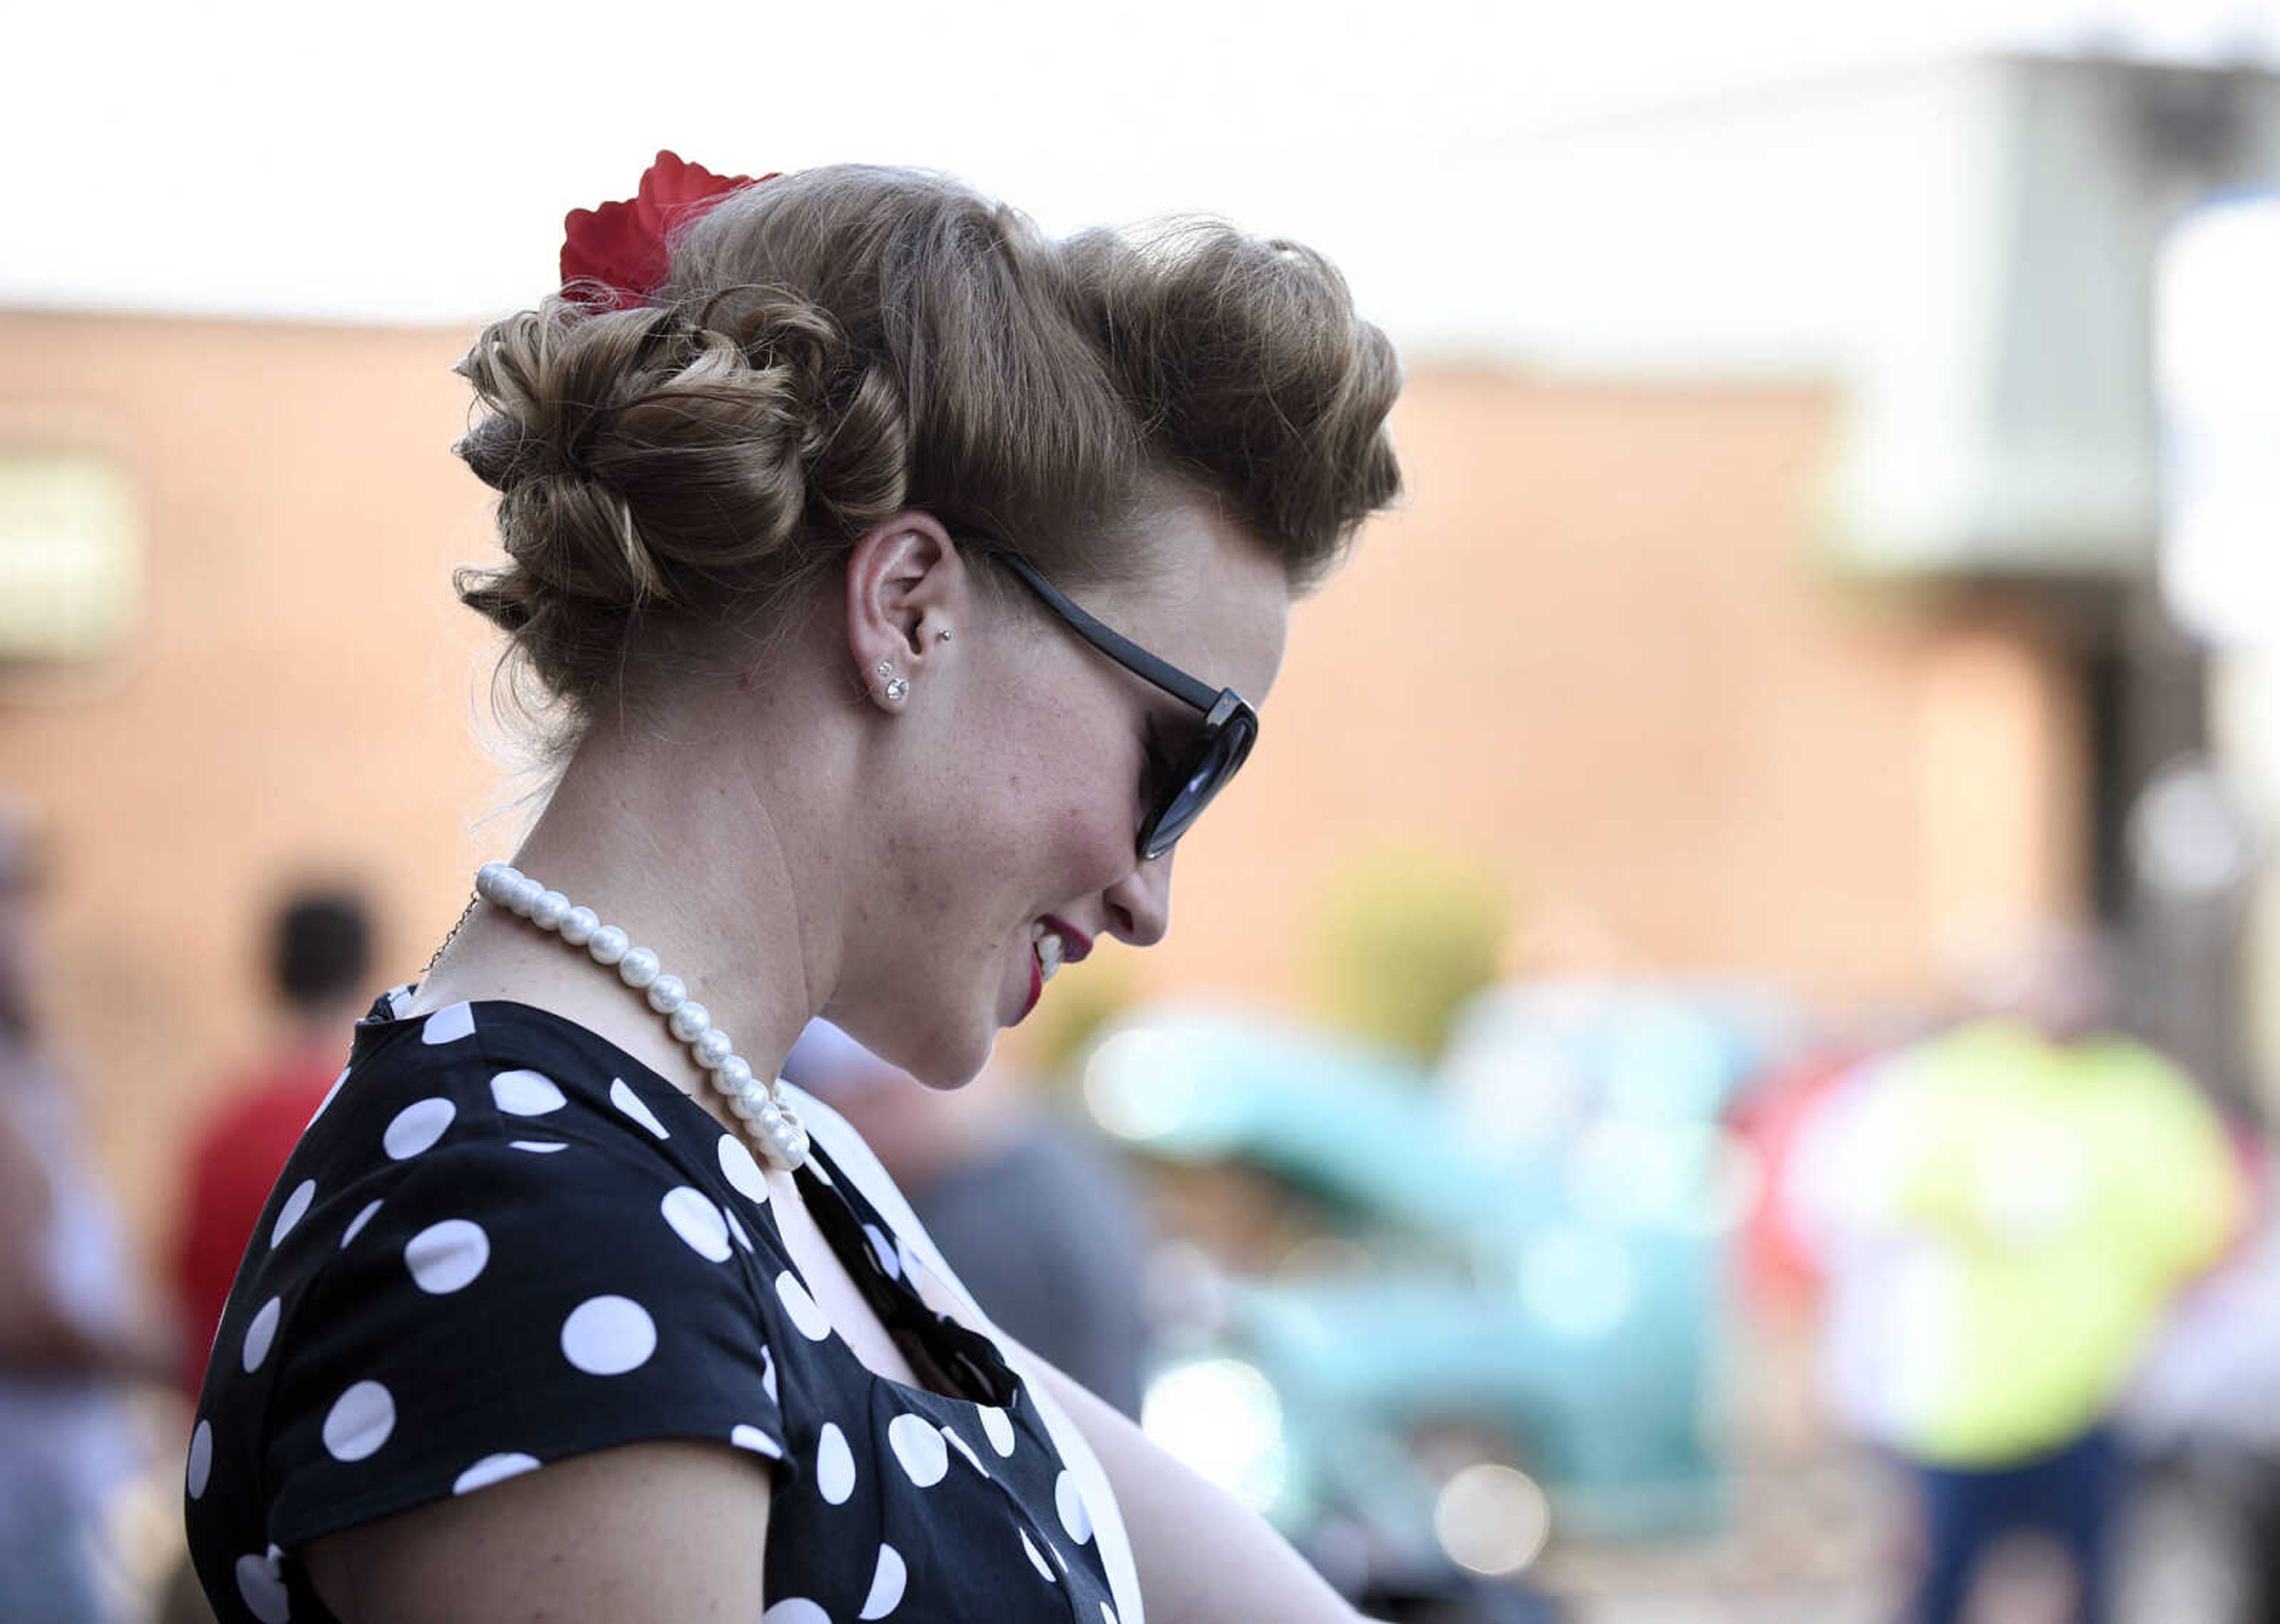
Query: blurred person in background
(901, 580)
(320, 954)
(1041, 1226)
(73, 1338)
(2009, 1207)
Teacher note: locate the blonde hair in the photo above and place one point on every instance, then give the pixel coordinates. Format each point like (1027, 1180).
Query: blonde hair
(837, 345)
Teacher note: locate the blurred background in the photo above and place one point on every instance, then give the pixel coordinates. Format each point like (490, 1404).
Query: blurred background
(1717, 1062)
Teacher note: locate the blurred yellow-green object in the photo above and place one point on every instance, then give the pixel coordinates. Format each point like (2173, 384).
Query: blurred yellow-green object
(2058, 1198)
(1406, 939)
(1086, 996)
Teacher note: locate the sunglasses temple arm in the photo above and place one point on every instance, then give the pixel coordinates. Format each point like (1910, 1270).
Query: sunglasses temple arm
(1122, 650)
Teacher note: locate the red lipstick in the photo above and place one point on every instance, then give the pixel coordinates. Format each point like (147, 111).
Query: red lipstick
(1075, 945)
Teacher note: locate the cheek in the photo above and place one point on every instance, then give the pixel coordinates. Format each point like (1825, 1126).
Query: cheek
(1062, 799)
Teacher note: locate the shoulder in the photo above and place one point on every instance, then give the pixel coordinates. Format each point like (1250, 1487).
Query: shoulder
(496, 1247)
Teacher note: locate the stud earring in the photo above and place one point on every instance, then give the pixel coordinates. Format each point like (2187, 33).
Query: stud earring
(942, 635)
(896, 689)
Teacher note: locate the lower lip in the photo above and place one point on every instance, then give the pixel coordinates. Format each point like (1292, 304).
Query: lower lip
(1037, 988)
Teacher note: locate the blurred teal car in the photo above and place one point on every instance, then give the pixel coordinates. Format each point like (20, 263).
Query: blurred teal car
(1525, 1316)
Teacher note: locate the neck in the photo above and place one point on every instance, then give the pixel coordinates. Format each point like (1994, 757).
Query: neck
(700, 867)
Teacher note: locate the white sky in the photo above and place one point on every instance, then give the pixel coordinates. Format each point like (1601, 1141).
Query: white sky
(413, 161)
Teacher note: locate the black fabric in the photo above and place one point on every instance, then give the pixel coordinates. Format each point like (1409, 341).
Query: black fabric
(1045, 1231)
(500, 1241)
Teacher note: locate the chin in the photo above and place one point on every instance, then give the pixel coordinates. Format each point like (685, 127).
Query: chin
(953, 1066)
(939, 1057)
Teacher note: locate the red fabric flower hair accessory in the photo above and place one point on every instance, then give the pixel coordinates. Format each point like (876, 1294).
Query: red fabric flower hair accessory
(620, 247)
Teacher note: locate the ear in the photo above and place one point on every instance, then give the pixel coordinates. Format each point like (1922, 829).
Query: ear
(907, 587)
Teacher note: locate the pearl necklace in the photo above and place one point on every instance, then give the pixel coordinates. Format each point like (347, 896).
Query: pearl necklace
(753, 1103)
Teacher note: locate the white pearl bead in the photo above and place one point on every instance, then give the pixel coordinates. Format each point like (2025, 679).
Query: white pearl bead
(781, 1137)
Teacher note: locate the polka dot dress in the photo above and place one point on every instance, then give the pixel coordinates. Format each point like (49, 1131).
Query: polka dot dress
(501, 1242)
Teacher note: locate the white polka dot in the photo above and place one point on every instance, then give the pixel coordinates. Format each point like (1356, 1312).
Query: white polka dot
(998, 1426)
(263, 1591)
(360, 1421)
(909, 1259)
(964, 1449)
(356, 1224)
(399, 999)
(1107, 1614)
(445, 1257)
(259, 1334)
(330, 1094)
(918, 1446)
(806, 1312)
(449, 1024)
(540, 1147)
(835, 1464)
(625, 1099)
(768, 1375)
(493, 1469)
(201, 1459)
(1070, 1503)
(697, 1221)
(738, 1165)
(737, 1229)
(296, 1208)
(753, 1439)
(886, 1582)
(608, 1335)
(418, 1125)
(527, 1094)
(883, 1249)
(1035, 1560)
(796, 1610)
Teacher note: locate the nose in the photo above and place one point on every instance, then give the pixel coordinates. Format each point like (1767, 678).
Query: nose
(1140, 903)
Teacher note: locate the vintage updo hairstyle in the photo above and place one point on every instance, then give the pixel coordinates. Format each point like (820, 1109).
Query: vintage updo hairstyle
(838, 344)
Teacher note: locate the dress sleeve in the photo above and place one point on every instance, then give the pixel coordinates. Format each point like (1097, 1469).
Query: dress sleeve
(505, 1305)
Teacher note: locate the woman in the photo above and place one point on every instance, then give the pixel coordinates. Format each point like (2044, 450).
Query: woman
(799, 517)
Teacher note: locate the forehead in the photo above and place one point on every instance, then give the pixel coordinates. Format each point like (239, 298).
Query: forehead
(1216, 603)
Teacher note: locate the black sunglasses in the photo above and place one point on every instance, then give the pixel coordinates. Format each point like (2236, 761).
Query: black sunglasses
(1230, 727)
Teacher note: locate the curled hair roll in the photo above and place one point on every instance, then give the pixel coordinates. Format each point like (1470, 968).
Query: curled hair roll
(651, 464)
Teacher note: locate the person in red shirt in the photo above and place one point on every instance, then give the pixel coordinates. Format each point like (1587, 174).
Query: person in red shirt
(320, 953)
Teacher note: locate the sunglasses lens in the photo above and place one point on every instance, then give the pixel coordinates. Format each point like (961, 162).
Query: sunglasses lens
(1209, 764)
